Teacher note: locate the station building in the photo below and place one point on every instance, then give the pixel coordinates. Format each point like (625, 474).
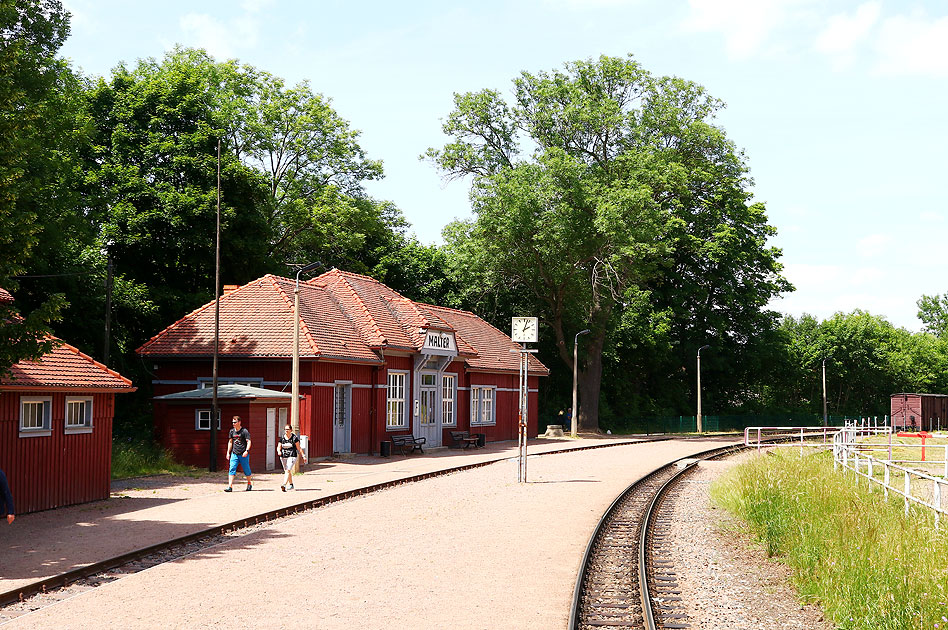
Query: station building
(372, 364)
(56, 427)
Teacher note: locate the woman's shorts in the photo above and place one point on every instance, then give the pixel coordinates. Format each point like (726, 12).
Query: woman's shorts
(244, 464)
(288, 463)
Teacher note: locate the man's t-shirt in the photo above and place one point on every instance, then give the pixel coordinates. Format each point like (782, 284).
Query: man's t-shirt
(288, 445)
(240, 439)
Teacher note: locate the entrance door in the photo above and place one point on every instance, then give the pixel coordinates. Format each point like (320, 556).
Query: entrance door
(429, 420)
(270, 448)
(342, 418)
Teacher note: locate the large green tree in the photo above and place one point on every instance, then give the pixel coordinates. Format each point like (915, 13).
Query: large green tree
(596, 188)
(36, 125)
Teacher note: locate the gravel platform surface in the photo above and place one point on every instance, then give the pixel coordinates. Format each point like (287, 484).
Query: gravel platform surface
(468, 550)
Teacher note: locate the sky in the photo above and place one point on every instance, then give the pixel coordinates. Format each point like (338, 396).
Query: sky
(839, 107)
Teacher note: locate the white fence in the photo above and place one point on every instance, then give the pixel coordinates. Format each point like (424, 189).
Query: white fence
(914, 486)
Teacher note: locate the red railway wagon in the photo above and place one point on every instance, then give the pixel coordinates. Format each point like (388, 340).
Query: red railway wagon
(919, 412)
(372, 364)
(56, 429)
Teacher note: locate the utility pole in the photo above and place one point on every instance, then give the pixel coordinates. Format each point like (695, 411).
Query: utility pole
(215, 409)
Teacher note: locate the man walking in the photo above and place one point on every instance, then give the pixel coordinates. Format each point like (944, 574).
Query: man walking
(6, 499)
(238, 452)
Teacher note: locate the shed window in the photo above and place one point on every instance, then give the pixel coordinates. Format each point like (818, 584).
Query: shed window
(35, 416)
(78, 414)
(202, 420)
(395, 404)
(447, 400)
(482, 405)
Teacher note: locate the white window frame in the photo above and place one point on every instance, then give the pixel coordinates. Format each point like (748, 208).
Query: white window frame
(47, 411)
(86, 425)
(449, 389)
(400, 407)
(207, 413)
(478, 401)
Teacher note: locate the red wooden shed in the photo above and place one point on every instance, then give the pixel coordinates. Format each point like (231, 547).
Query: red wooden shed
(372, 363)
(56, 429)
(922, 412)
(183, 413)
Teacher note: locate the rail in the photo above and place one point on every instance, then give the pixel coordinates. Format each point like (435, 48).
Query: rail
(918, 487)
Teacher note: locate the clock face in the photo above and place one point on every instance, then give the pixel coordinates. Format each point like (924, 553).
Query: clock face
(523, 329)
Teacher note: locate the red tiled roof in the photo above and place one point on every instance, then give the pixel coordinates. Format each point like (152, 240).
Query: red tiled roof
(65, 367)
(492, 346)
(256, 320)
(342, 315)
(5, 297)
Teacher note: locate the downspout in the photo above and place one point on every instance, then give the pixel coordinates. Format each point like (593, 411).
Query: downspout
(373, 410)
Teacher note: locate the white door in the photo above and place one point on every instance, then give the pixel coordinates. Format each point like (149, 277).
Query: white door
(429, 420)
(342, 419)
(270, 448)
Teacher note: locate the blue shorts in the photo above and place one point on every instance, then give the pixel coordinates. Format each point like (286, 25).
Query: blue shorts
(244, 464)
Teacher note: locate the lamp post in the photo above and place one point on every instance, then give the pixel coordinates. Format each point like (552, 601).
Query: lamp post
(215, 404)
(295, 403)
(824, 392)
(700, 428)
(574, 425)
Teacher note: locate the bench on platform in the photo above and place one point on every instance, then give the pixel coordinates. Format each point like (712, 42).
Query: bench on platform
(463, 439)
(408, 443)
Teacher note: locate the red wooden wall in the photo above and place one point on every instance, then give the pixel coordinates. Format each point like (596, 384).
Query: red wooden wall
(60, 469)
(369, 394)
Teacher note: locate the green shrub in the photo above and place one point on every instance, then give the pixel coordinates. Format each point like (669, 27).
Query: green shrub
(136, 458)
(854, 552)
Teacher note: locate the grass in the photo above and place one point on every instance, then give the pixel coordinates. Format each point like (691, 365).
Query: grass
(852, 551)
(133, 458)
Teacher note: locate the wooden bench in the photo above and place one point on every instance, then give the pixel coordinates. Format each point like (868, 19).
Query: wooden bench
(464, 439)
(408, 443)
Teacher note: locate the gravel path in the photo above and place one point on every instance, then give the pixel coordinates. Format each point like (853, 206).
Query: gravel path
(467, 550)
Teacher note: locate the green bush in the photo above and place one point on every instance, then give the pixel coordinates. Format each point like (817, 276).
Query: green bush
(136, 458)
(852, 551)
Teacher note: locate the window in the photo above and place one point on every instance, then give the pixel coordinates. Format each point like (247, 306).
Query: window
(482, 405)
(78, 414)
(395, 405)
(202, 420)
(447, 400)
(35, 416)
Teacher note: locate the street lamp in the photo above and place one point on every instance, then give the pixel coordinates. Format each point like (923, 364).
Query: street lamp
(295, 403)
(574, 426)
(825, 423)
(699, 386)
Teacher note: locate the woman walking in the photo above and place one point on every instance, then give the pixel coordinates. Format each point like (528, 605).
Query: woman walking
(290, 451)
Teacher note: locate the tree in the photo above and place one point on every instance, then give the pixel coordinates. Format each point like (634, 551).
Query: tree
(933, 311)
(31, 31)
(597, 186)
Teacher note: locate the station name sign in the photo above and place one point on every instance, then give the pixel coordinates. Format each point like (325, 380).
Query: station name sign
(440, 343)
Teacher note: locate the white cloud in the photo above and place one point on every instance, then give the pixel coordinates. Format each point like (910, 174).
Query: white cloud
(844, 33)
(255, 6)
(874, 241)
(913, 45)
(222, 40)
(746, 25)
(931, 217)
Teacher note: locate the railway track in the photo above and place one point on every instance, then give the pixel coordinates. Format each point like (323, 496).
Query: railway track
(626, 581)
(95, 574)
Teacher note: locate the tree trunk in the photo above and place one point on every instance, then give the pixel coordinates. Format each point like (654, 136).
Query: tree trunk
(588, 386)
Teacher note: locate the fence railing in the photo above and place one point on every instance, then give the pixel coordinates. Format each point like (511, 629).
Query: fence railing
(717, 423)
(915, 486)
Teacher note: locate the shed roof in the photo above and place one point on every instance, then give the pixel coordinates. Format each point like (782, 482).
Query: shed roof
(344, 316)
(227, 392)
